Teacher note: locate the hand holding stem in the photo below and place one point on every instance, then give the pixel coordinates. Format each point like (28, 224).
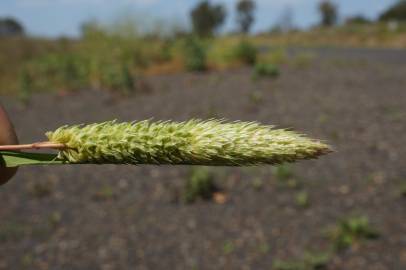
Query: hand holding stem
(7, 136)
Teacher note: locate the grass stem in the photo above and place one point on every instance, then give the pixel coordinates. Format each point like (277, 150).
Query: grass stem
(35, 146)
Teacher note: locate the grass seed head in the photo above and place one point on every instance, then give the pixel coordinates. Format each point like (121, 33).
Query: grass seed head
(195, 142)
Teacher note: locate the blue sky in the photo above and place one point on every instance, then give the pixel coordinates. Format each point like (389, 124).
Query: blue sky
(54, 18)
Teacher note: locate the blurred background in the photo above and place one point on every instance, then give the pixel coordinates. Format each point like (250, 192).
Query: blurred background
(334, 70)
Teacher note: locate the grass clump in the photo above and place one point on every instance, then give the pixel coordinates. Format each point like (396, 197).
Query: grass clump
(350, 231)
(200, 185)
(285, 176)
(245, 52)
(266, 70)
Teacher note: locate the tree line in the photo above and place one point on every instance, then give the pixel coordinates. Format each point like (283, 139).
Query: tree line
(206, 17)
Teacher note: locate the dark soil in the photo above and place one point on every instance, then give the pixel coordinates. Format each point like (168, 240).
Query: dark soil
(127, 217)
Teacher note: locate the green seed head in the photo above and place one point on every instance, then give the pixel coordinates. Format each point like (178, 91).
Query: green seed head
(195, 142)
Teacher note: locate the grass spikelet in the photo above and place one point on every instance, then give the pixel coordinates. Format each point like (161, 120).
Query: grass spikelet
(195, 142)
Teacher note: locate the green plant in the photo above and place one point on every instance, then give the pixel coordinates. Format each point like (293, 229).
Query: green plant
(283, 172)
(119, 78)
(58, 71)
(266, 70)
(200, 184)
(302, 199)
(228, 247)
(105, 193)
(350, 231)
(195, 54)
(25, 89)
(310, 261)
(264, 248)
(54, 219)
(27, 261)
(245, 52)
(195, 142)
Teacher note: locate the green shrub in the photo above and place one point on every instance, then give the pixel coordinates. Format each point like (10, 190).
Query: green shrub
(266, 70)
(195, 54)
(118, 78)
(56, 71)
(200, 184)
(245, 52)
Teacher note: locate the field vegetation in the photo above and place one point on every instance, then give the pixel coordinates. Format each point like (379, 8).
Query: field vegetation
(118, 57)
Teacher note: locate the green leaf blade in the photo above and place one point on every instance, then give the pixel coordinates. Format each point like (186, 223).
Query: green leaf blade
(15, 159)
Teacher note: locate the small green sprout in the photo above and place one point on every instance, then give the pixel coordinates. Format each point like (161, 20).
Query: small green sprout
(302, 199)
(283, 172)
(228, 247)
(105, 193)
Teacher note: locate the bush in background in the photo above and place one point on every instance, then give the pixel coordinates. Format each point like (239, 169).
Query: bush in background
(245, 52)
(266, 70)
(195, 54)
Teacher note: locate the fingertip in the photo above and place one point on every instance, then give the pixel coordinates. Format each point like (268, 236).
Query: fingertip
(6, 174)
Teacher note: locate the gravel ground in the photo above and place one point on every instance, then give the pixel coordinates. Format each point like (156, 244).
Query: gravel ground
(124, 217)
